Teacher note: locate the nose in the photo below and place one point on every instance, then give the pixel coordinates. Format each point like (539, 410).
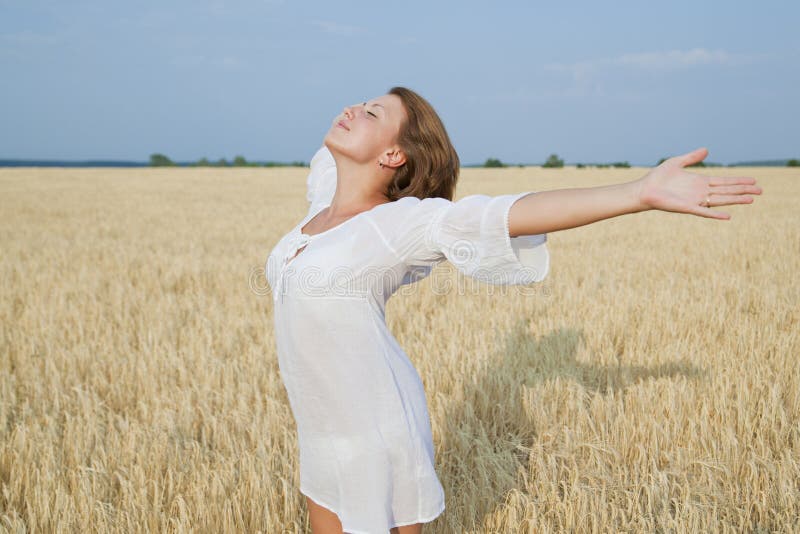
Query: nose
(348, 112)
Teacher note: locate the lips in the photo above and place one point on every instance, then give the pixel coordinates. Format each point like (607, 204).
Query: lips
(341, 124)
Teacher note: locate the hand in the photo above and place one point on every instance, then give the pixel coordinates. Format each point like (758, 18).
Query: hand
(669, 187)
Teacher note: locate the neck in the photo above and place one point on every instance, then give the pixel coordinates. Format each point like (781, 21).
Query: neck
(355, 187)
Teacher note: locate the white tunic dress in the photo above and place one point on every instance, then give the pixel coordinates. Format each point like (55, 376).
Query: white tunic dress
(364, 433)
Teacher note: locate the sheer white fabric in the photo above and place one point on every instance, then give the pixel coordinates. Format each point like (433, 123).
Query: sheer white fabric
(364, 434)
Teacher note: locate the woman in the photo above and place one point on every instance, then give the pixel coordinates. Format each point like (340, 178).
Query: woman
(381, 215)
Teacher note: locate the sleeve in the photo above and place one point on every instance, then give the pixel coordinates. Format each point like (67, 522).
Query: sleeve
(472, 233)
(321, 181)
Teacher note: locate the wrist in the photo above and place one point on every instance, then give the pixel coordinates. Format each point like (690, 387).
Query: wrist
(637, 196)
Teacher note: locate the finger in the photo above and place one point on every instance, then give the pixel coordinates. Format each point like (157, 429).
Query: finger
(731, 180)
(736, 190)
(709, 213)
(695, 156)
(724, 200)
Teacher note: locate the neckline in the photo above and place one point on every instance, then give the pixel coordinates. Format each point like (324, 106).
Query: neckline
(304, 223)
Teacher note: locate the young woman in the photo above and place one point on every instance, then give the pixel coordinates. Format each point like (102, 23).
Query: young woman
(381, 215)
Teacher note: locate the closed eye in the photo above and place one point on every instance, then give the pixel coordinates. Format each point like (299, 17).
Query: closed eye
(371, 113)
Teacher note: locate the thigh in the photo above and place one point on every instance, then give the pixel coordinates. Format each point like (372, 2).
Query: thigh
(322, 520)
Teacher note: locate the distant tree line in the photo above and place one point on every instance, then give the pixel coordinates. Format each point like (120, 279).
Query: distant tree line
(160, 160)
(552, 162)
(616, 165)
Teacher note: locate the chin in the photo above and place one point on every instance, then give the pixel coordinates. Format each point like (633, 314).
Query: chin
(331, 144)
(336, 147)
(342, 150)
(333, 137)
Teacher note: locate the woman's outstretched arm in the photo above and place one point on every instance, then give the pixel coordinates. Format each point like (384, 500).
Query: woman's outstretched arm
(668, 187)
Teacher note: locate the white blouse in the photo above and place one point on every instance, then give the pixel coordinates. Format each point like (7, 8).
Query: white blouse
(364, 434)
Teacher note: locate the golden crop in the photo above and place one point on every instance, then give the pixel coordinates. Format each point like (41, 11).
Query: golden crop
(650, 384)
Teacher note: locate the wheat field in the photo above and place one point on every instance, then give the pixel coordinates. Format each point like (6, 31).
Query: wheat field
(650, 384)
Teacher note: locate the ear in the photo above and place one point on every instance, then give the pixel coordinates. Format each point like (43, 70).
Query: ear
(394, 158)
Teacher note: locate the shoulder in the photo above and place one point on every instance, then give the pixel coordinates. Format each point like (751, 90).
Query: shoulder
(414, 204)
(405, 225)
(408, 218)
(408, 212)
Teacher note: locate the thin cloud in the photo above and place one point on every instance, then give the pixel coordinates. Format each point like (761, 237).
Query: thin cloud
(675, 59)
(335, 28)
(23, 45)
(230, 63)
(668, 60)
(28, 38)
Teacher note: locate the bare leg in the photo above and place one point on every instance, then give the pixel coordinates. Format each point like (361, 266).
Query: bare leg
(322, 520)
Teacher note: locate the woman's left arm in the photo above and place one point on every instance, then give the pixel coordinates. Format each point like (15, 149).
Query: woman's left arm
(668, 187)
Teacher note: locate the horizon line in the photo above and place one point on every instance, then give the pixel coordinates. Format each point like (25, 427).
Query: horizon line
(102, 162)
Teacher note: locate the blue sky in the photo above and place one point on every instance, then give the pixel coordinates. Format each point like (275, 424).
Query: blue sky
(591, 81)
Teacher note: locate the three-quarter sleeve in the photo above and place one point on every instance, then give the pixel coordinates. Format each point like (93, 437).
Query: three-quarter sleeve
(321, 181)
(472, 233)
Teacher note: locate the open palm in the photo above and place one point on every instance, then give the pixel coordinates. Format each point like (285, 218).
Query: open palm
(669, 187)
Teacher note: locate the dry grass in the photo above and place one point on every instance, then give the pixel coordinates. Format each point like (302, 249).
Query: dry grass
(650, 384)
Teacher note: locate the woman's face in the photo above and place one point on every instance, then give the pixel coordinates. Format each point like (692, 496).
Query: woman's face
(366, 132)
